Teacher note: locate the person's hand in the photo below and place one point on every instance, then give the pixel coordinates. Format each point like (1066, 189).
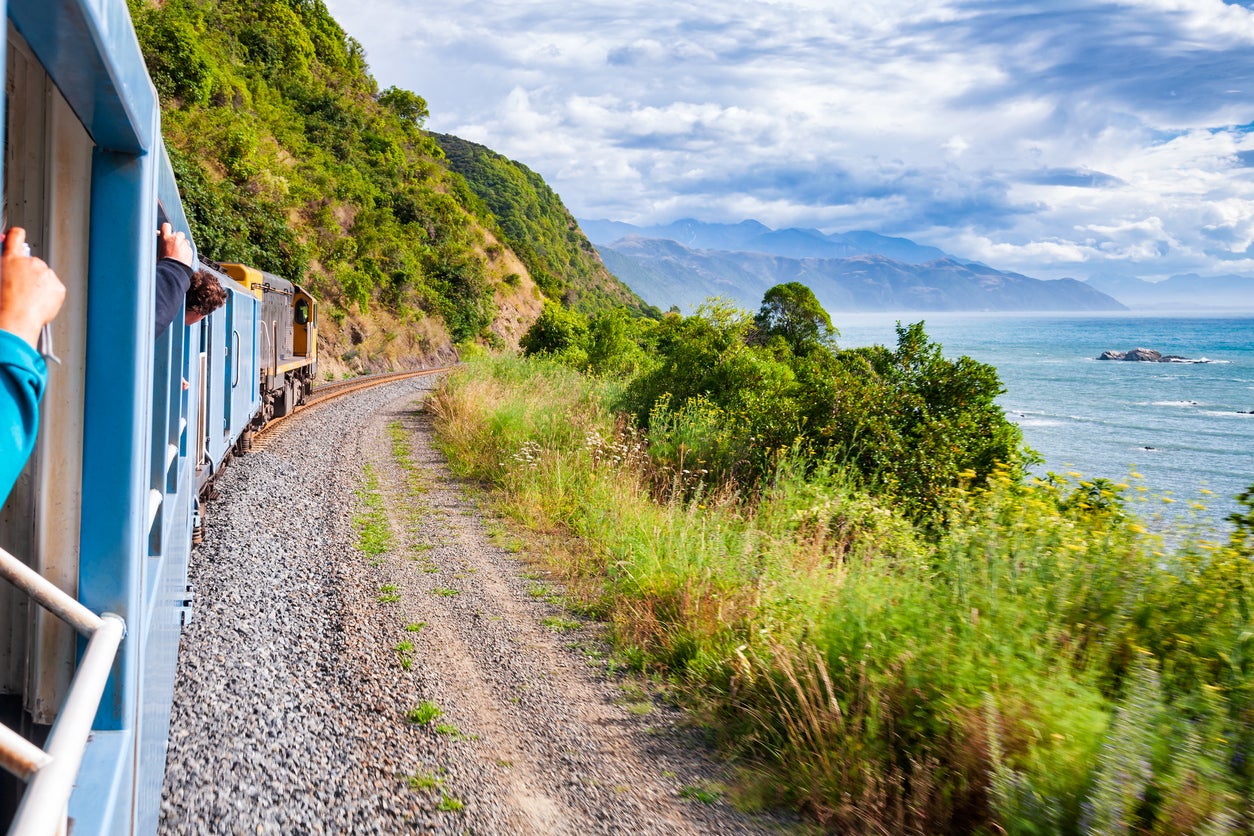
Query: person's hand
(171, 244)
(30, 293)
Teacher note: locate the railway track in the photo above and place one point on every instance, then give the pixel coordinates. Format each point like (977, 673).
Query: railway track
(330, 391)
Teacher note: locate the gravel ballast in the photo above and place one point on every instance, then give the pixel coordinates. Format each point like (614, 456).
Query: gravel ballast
(297, 678)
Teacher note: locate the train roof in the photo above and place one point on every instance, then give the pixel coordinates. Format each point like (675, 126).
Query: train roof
(269, 281)
(226, 281)
(277, 283)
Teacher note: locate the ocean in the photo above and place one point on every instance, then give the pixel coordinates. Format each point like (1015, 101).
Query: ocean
(1183, 431)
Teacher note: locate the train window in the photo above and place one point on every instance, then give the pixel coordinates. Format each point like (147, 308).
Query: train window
(47, 187)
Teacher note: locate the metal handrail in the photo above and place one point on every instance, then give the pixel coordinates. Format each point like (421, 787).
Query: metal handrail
(50, 772)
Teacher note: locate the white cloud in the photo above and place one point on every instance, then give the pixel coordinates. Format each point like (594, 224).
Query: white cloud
(992, 252)
(1036, 136)
(1207, 22)
(1232, 224)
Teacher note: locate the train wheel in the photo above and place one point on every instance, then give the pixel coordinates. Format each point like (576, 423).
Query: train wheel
(198, 524)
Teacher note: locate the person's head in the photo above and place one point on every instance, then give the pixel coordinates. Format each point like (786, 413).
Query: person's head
(204, 296)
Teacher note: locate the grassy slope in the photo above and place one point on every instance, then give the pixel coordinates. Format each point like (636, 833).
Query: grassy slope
(536, 224)
(1040, 666)
(1036, 669)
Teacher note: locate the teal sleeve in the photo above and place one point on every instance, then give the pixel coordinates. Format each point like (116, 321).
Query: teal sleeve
(23, 375)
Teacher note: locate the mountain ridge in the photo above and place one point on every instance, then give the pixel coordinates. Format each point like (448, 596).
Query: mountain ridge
(1187, 291)
(535, 223)
(669, 274)
(755, 236)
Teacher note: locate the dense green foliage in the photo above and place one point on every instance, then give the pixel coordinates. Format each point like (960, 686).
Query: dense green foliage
(538, 227)
(1040, 664)
(558, 332)
(791, 312)
(733, 396)
(289, 158)
(833, 551)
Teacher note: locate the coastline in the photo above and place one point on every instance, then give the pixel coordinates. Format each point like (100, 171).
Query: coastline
(1182, 428)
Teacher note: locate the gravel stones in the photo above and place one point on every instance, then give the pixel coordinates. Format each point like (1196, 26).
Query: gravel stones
(292, 693)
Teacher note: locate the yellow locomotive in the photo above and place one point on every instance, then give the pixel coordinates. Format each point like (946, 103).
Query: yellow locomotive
(287, 340)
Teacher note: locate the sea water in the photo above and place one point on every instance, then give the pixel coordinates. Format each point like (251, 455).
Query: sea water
(1181, 431)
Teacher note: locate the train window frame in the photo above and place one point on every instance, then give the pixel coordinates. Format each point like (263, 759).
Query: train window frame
(47, 191)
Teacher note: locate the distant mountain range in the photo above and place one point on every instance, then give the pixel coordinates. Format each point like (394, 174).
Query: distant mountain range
(683, 263)
(1186, 292)
(755, 237)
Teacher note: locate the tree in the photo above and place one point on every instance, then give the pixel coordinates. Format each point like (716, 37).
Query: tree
(409, 106)
(942, 420)
(791, 311)
(611, 344)
(557, 330)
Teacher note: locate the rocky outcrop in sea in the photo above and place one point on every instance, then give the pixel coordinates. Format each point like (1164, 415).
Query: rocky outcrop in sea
(1146, 355)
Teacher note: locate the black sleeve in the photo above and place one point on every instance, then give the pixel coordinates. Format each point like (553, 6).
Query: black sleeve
(173, 279)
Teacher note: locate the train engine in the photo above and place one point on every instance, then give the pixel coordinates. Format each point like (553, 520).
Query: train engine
(287, 341)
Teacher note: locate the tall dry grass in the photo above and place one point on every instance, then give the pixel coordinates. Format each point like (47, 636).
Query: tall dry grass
(978, 680)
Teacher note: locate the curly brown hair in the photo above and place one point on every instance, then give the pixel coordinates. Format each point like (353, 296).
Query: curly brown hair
(205, 295)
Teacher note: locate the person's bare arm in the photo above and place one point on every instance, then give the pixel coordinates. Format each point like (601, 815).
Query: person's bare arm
(30, 292)
(174, 245)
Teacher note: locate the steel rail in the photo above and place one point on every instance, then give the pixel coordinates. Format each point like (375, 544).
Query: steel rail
(338, 389)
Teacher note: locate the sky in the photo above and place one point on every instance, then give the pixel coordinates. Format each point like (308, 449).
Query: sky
(1048, 138)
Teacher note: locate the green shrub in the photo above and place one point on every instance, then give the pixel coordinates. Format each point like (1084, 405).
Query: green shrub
(737, 396)
(555, 331)
(1039, 664)
(178, 63)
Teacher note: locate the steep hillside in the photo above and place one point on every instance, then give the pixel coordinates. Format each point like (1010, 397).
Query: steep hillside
(290, 158)
(537, 226)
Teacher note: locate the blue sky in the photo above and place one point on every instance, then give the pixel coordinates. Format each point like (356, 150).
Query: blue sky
(1055, 138)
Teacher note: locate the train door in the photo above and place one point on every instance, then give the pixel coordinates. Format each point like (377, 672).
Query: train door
(230, 380)
(202, 394)
(305, 322)
(47, 186)
(243, 372)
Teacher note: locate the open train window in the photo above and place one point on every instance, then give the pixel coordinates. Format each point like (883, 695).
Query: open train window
(47, 187)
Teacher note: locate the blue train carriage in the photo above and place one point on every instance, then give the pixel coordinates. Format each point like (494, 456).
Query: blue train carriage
(258, 361)
(96, 534)
(228, 398)
(287, 340)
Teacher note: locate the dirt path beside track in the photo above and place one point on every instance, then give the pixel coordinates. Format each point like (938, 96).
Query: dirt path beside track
(433, 687)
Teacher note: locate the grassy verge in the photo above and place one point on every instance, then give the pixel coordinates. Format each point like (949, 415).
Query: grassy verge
(1043, 665)
(374, 535)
